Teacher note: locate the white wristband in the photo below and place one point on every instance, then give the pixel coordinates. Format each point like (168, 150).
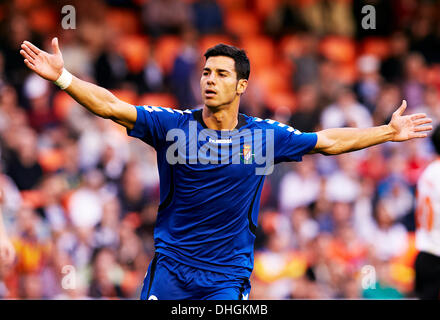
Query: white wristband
(64, 80)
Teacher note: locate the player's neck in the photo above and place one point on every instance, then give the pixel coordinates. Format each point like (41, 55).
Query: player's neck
(223, 118)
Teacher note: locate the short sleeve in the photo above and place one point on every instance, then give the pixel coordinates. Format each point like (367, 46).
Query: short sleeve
(292, 144)
(153, 123)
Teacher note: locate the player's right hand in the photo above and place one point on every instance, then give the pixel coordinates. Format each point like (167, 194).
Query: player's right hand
(46, 65)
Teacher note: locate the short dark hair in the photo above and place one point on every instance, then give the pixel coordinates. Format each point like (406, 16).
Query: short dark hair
(435, 139)
(242, 65)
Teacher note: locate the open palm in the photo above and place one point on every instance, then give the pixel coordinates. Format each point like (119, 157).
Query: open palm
(410, 126)
(46, 65)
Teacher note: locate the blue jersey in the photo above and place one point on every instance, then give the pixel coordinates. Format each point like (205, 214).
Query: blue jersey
(211, 182)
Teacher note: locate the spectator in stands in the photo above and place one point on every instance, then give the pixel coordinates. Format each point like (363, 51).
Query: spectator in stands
(346, 111)
(183, 74)
(304, 178)
(306, 116)
(165, 17)
(74, 194)
(413, 84)
(368, 86)
(207, 16)
(107, 275)
(22, 165)
(285, 19)
(392, 67)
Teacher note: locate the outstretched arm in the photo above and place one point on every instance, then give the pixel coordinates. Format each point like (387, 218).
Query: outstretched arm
(7, 251)
(94, 98)
(400, 128)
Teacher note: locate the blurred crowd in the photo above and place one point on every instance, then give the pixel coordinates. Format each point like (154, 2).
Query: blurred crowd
(80, 197)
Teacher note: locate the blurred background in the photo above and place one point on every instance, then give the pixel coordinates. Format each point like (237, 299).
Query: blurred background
(79, 192)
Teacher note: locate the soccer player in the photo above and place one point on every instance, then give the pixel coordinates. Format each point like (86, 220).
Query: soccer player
(427, 264)
(7, 251)
(210, 194)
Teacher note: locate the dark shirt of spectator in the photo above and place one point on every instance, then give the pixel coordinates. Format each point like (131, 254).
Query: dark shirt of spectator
(207, 16)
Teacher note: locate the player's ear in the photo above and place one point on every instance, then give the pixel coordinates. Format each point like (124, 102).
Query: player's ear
(241, 86)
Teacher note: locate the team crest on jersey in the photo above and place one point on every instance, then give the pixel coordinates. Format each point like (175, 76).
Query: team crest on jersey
(246, 154)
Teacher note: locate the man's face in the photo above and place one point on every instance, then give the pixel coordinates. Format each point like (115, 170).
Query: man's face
(219, 84)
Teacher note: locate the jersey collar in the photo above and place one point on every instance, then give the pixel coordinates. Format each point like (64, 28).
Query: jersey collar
(198, 116)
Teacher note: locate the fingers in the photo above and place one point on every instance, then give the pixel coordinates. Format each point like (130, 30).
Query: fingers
(417, 116)
(419, 135)
(29, 56)
(422, 121)
(402, 108)
(26, 55)
(55, 47)
(28, 51)
(422, 128)
(29, 65)
(32, 47)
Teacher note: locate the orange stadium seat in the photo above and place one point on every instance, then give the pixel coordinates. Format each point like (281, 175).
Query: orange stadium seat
(338, 49)
(231, 5)
(135, 51)
(126, 95)
(123, 20)
(347, 72)
(167, 48)
(43, 20)
(305, 3)
(62, 103)
(272, 81)
(33, 197)
(291, 45)
(209, 41)
(24, 5)
(265, 7)
(376, 46)
(260, 50)
(158, 99)
(242, 23)
(281, 100)
(51, 160)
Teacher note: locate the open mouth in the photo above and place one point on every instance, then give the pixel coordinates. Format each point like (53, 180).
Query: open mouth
(210, 92)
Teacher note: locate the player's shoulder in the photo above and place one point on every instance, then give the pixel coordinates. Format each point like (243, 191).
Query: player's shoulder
(431, 173)
(166, 116)
(169, 110)
(433, 167)
(271, 124)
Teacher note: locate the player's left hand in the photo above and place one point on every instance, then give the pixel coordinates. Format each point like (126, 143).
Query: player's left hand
(410, 126)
